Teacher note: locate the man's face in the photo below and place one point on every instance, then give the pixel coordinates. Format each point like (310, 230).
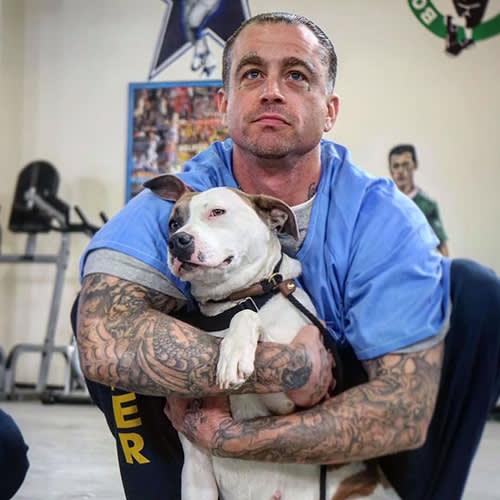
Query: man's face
(277, 103)
(402, 167)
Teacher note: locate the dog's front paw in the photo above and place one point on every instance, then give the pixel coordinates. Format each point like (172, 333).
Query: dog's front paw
(237, 350)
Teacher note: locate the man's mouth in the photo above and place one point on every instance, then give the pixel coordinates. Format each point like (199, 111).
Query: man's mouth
(271, 119)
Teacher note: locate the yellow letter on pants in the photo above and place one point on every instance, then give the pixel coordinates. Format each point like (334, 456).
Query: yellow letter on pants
(127, 416)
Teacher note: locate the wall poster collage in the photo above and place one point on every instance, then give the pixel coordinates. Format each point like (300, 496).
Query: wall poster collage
(169, 123)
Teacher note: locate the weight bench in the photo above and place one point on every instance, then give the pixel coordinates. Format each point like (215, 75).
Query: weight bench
(37, 209)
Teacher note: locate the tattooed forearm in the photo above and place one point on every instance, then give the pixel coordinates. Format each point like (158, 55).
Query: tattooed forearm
(126, 339)
(388, 414)
(121, 327)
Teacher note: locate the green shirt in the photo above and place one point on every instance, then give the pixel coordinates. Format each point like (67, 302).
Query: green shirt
(431, 211)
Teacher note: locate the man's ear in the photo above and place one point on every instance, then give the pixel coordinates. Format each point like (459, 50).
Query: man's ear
(332, 105)
(221, 104)
(276, 213)
(168, 187)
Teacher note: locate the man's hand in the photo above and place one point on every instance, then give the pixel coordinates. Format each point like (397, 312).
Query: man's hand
(321, 379)
(200, 420)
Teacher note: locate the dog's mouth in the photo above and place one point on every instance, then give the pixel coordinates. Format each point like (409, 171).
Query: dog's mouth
(188, 266)
(183, 266)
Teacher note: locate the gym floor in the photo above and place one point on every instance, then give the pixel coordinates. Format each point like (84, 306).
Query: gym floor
(72, 455)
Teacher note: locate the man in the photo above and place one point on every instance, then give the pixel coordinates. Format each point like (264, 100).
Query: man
(402, 166)
(368, 263)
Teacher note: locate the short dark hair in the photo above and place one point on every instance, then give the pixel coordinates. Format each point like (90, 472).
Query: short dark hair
(403, 148)
(329, 57)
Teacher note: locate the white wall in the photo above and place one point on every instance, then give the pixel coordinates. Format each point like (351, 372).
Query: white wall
(65, 67)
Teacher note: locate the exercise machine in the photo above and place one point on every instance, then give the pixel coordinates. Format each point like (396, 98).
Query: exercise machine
(37, 209)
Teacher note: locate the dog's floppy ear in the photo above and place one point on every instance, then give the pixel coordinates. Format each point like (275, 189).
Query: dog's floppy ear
(167, 186)
(277, 213)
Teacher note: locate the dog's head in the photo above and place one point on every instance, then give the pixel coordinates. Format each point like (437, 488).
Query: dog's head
(222, 231)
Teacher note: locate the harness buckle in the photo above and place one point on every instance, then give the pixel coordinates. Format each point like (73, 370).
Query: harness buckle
(274, 280)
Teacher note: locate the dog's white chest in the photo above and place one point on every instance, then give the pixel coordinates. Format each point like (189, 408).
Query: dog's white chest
(248, 480)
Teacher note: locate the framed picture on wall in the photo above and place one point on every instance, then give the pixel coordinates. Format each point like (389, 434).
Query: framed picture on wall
(168, 123)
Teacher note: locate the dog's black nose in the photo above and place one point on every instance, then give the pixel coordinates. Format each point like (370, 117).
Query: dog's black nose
(181, 245)
(182, 240)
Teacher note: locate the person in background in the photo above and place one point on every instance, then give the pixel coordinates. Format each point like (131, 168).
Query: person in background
(402, 166)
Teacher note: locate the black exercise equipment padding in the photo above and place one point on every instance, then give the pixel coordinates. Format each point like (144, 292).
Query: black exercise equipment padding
(25, 217)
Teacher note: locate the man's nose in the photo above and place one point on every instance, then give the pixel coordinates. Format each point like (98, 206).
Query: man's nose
(271, 91)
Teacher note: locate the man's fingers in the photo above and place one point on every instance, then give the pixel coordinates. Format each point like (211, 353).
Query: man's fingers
(331, 359)
(175, 407)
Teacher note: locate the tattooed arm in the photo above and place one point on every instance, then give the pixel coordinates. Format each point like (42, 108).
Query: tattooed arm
(127, 340)
(390, 413)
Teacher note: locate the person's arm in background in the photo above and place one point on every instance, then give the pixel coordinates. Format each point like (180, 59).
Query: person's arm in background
(126, 339)
(435, 221)
(389, 413)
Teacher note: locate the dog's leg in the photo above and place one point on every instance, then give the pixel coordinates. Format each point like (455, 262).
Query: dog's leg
(198, 480)
(237, 350)
(237, 357)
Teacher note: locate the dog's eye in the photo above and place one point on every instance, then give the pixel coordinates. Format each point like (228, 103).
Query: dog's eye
(216, 212)
(173, 225)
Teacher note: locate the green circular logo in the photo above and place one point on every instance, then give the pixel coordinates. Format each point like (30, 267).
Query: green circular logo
(466, 25)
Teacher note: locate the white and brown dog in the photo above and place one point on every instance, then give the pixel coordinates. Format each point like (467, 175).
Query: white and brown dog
(223, 241)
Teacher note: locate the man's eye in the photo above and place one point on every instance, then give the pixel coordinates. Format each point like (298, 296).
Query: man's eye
(252, 74)
(297, 76)
(216, 212)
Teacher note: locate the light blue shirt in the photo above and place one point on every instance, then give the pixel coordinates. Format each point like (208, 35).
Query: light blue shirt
(369, 259)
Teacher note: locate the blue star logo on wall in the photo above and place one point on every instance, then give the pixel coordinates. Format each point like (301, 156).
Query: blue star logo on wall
(192, 25)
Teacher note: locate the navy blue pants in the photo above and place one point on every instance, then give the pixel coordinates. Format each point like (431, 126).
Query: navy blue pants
(150, 455)
(13, 457)
(470, 388)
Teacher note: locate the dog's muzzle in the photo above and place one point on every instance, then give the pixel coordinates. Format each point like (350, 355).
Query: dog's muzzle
(181, 246)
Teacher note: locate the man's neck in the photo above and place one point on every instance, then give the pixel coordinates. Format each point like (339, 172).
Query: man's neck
(292, 180)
